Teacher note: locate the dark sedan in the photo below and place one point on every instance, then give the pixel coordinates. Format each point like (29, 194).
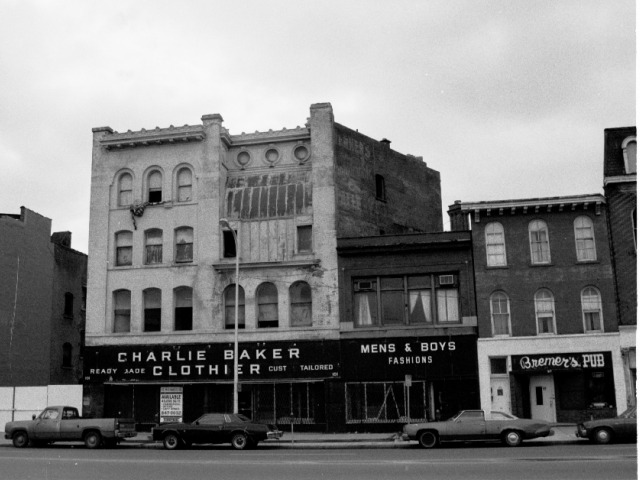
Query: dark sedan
(607, 430)
(236, 429)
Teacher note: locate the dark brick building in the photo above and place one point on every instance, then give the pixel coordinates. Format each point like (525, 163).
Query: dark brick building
(408, 329)
(620, 166)
(42, 291)
(548, 342)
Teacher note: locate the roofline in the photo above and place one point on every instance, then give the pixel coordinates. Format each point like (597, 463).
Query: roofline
(532, 202)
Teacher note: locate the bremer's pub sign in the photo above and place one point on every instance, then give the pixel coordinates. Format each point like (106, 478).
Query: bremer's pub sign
(562, 361)
(211, 361)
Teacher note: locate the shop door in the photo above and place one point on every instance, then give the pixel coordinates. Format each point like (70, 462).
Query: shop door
(500, 395)
(543, 398)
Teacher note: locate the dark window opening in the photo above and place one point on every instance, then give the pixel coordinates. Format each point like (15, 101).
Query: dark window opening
(229, 244)
(68, 305)
(381, 193)
(304, 239)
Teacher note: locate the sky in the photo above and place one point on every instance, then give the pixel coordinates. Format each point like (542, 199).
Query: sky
(505, 98)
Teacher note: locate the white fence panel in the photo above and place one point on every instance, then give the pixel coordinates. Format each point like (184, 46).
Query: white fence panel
(21, 403)
(70, 395)
(6, 405)
(29, 400)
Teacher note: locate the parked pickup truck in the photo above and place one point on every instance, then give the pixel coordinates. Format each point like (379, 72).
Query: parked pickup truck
(63, 424)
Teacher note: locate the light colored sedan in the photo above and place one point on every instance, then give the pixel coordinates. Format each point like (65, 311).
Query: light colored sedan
(471, 425)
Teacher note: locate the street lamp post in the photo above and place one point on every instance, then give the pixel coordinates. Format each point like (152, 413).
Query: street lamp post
(224, 224)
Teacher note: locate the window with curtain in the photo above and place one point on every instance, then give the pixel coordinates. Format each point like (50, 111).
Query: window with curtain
(300, 304)
(184, 244)
(183, 314)
(152, 298)
(545, 312)
(122, 311)
(153, 246)
(184, 193)
(419, 293)
(154, 187)
(267, 297)
(229, 298)
(500, 314)
(591, 309)
(124, 248)
(447, 299)
(494, 239)
(585, 239)
(539, 242)
(125, 190)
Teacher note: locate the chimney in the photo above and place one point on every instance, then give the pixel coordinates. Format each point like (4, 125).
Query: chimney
(386, 143)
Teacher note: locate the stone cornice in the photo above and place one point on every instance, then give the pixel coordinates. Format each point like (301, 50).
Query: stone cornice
(158, 136)
(271, 136)
(621, 179)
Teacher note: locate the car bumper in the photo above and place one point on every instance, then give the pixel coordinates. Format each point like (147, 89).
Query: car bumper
(275, 434)
(119, 434)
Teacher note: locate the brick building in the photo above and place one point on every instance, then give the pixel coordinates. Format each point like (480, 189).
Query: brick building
(162, 270)
(620, 166)
(408, 328)
(42, 289)
(548, 342)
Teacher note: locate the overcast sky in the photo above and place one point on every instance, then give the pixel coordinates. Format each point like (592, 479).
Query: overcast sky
(506, 99)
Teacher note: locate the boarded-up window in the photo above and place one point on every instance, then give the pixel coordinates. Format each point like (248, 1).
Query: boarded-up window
(305, 244)
(152, 309)
(184, 244)
(267, 297)
(124, 242)
(183, 308)
(300, 299)
(153, 246)
(121, 311)
(230, 307)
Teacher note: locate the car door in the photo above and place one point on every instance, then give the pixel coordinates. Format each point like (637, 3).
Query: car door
(69, 424)
(207, 429)
(47, 426)
(469, 425)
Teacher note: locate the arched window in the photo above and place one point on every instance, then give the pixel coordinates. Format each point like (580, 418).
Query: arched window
(183, 314)
(229, 298)
(154, 187)
(67, 355)
(500, 314)
(184, 187)
(68, 305)
(124, 248)
(267, 297)
(539, 242)
(496, 250)
(153, 246)
(585, 239)
(591, 309)
(152, 298)
(300, 301)
(184, 244)
(630, 154)
(125, 190)
(545, 312)
(121, 311)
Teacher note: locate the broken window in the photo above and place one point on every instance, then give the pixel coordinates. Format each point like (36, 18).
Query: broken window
(184, 244)
(267, 296)
(184, 185)
(121, 311)
(183, 308)
(124, 241)
(230, 307)
(153, 246)
(155, 187)
(300, 300)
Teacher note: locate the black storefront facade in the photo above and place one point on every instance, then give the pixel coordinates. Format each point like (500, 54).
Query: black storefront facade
(330, 385)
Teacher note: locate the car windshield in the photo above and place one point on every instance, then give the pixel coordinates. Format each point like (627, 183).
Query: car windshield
(629, 413)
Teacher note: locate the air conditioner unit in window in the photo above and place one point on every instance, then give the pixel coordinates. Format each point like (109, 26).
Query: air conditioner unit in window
(446, 280)
(364, 286)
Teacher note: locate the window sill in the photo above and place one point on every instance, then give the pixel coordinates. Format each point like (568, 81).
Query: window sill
(587, 262)
(497, 267)
(534, 265)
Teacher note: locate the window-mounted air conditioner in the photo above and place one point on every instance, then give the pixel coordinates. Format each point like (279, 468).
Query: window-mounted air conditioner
(446, 280)
(364, 286)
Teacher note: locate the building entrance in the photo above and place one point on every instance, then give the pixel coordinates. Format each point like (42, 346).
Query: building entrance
(543, 397)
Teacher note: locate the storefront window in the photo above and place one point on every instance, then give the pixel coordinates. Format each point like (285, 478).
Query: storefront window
(386, 402)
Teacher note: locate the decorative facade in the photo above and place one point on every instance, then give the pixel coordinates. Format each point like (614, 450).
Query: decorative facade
(162, 278)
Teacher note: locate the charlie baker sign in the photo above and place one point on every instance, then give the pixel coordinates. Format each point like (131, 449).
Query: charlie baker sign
(212, 361)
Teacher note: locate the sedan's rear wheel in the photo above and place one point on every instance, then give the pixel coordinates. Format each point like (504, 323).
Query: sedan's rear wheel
(20, 439)
(171, 441)
(602, 436)
(428, 439)
(512, 438)
(239, 441)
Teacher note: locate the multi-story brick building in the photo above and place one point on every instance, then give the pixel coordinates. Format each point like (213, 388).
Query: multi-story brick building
(548, 342)
(42, 289)
(408, 328)
(620, 183)
(162, 270)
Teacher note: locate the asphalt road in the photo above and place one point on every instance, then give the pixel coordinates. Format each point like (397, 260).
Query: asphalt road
(580, 462)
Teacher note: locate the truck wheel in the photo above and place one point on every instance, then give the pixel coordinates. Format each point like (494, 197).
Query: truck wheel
(239, 441)
(20, 439)
(428, 439)
(171, 441)
(92, 439)
(512, 438)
